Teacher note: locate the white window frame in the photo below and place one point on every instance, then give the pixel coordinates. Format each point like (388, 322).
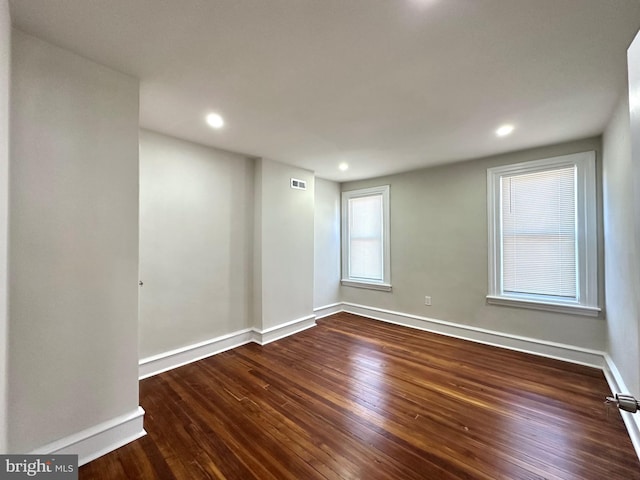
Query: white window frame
(586, 302)
(347, 280)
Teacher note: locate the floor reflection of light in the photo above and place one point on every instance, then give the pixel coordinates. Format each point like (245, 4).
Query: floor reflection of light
(368, 388)
(536, 438)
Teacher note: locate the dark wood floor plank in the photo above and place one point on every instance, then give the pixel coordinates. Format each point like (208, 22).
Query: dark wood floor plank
(291, 424)
(314, 420)
(406, 423)
(351, 429)
(401, 428)
(399, 407)
(359, 399)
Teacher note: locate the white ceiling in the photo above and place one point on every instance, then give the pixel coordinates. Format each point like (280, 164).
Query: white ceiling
(385, 85)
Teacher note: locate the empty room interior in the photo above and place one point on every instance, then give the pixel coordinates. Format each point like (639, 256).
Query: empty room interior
(321, 239)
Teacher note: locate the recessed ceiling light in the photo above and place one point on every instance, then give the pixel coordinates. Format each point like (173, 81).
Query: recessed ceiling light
(504, 130)
(214, 120)
(343, 166)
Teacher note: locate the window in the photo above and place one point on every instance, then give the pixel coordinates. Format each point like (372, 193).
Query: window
(542, 234)
(365, 238)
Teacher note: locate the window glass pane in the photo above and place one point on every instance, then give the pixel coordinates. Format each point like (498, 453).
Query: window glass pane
(539, 233)
(365, 237)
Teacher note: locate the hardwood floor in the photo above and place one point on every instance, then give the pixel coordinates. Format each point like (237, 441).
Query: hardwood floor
(359, 399)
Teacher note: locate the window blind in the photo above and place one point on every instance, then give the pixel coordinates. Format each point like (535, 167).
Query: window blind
(366, 237)
(539, 226)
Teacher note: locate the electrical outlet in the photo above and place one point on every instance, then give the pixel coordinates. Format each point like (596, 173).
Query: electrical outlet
(427, 301)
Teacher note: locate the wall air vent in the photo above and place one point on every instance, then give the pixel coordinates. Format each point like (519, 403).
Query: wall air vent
(298, 184)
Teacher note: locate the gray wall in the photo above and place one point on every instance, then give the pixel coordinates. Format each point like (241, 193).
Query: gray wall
(326, 288)
(284, 244)
(225, 243)
(622, 276)
(439, 248)
(5, 73)
(196, 227)
(73, 246)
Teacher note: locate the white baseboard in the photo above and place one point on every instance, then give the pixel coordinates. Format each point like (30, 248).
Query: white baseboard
(99, 440)
(271, 334)
(327, 310)
(191, 353)
(568, 353)
(559, 351)
(617, 385)
(181, 356)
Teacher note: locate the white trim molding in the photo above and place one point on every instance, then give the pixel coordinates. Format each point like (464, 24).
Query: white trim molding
(175, 358)
(383, 282)
(167, 361)
(385, 287)
(585, 301)
(100, 439)
(271, 334)
(548, 306)
(155, 364)
(544, 348)
(326, 310)
(617, 385)
(163, 362)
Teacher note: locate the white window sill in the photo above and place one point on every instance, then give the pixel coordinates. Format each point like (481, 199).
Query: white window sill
(385, 287)
(572, 309)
